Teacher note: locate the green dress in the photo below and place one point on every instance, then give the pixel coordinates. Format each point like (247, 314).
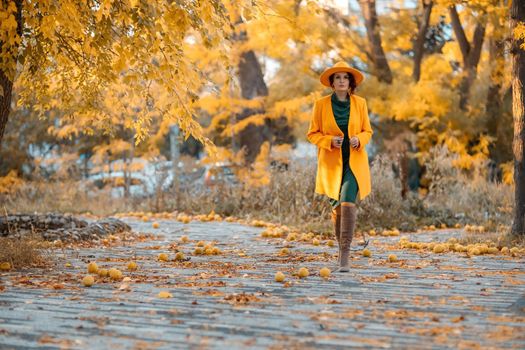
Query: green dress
(349, 188)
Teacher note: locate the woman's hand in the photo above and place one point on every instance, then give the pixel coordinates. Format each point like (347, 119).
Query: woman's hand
(337, 141)
(354, 141)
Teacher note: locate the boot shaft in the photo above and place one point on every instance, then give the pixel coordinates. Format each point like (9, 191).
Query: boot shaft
(348, 222)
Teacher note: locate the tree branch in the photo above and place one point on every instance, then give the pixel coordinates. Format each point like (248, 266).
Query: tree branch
(297, 7)
(460, 33)
(380, 61)
(420, 41)
(477, 43)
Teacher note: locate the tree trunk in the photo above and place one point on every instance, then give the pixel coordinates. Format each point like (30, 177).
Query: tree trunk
(252, 86)
(251, 81)
(470, 66)
(494, 101)
(5, 102)
(251, 76)
(517, 15)
(6, 80)
(403, 161)
(470, 52)
(420, 41)
(379, 60)
(461, 38)
(127, 169)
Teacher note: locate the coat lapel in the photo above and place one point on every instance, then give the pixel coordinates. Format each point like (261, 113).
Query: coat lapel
(333, 123)
(354, 116)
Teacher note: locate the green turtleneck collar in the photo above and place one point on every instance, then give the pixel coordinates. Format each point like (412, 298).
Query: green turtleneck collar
(339, 103)
(341, 110)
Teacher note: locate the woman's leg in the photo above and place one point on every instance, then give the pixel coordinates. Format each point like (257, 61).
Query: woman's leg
(336, 220)
(349, 187)
(348, 221)
(348, 197)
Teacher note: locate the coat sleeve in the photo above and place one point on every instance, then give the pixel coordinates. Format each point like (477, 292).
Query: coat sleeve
(366, 130)
(314, 134)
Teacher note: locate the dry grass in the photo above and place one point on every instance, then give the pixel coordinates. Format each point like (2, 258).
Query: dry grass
(384, 208)
(465, 196)
(288, 199)
(455, 197)
(498, 238)
(27, 251)
(62, 197)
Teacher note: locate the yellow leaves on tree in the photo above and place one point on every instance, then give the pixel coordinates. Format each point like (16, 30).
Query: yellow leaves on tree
(10, 183)
(254, 119)
(222, 154)
(255, 175)
(508, 173)
(114, 148)
(126, 65)
(258, 174)
(296, 110)
(466, 157)
(8, 37)
(402, 27)
(431, 97)
(119, 64)
(519, 33)
(223, 109)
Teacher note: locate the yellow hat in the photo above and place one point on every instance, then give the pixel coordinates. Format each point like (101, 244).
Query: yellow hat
(340, 66)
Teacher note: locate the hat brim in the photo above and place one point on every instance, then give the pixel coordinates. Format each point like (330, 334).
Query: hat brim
(325, 76)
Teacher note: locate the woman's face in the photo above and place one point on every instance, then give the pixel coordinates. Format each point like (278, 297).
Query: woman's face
(341, 81)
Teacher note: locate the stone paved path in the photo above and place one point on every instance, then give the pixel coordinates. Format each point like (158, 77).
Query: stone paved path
(424, 301)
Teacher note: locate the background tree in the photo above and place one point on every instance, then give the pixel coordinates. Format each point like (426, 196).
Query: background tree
(70, 52)
(419, 43)
(242, 74)
(517, 23)
(373, 31)
(470, 51)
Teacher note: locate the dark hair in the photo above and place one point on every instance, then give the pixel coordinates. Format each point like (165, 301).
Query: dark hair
(351, 79)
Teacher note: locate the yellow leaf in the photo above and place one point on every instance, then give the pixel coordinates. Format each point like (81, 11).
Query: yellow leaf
(165, 294)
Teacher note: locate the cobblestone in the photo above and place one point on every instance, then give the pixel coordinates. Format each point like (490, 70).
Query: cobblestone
(424, 301)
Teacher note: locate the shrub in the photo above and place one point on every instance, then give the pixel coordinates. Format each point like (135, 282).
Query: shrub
(289, 198)
(23, 251)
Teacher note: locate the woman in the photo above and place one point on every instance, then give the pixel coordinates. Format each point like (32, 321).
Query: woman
(340, 128)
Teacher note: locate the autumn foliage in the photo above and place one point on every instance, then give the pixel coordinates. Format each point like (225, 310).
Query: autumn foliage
(103, 83)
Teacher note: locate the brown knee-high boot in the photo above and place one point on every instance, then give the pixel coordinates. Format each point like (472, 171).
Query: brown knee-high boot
(348, 221)
(336, 220)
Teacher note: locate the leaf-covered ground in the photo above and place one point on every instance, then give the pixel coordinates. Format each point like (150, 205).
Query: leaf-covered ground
(230, 299)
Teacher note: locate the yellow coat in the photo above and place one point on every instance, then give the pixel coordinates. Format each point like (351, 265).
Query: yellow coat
(329, 160)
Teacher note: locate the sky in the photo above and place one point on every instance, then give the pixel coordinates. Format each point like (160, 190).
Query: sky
(340, 4)
(382, 5)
